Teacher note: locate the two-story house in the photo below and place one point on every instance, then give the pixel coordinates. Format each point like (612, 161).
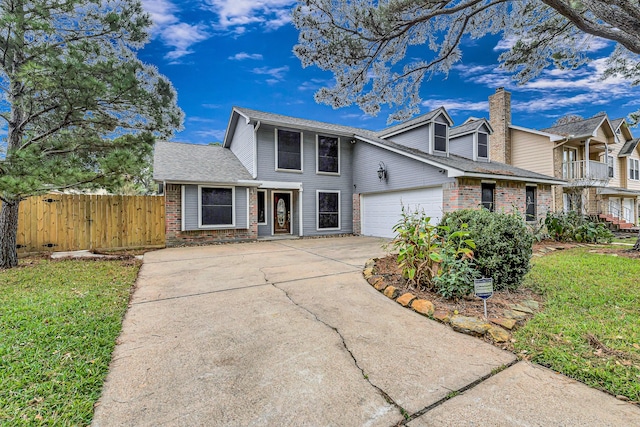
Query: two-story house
(597, 157)
(277, 175)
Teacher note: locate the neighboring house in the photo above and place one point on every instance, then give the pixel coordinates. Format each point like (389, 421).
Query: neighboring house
(598, 157)
(278, 175)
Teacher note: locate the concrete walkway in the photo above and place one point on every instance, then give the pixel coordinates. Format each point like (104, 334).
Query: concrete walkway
(289, 333)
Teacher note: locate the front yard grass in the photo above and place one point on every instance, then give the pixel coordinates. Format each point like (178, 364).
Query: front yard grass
(590, 327)
(59, 321)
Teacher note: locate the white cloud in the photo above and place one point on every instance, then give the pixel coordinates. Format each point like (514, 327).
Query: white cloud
(241, 56)
(456, 105)
(181, 37)
(237, 14)
(588, 43)
(555, 89)
(217, 134)
(176, 35)
(276, 74)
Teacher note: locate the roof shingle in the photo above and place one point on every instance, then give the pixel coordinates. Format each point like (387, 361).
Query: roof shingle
(179, 162)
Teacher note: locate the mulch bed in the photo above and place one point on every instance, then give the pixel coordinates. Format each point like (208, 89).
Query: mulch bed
(472, 306)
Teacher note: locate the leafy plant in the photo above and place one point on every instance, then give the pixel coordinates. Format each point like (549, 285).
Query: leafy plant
(503, 243)
(434, 257)
(457, 270)
(417, 244)
(572, 226)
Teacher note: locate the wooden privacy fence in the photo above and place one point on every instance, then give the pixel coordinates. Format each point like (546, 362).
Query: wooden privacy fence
(70, 222)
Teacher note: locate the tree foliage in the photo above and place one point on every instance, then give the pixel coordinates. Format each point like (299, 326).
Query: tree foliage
(81, 109)
(366, 43)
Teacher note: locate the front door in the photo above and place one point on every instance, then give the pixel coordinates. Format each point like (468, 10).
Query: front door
(281, 213)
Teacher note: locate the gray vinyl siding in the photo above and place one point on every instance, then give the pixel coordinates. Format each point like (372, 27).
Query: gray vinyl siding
(417, 138)
(403, 172)
(242, 144)
(311, 181)
(191, 207)
(441, 119)
(462, 146)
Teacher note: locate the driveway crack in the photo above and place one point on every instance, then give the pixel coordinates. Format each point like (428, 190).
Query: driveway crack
(383, 393)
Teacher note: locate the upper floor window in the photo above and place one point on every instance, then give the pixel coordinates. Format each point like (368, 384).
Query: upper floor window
(483, 145)
(328, 154)
(488, 193)
(288, 150)
(216, 206)
(440, 137)
(610, 166)
(634, 169)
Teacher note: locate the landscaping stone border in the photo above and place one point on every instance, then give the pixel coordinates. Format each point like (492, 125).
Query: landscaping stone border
(497, 329)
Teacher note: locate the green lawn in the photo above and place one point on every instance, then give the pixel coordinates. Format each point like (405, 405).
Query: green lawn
(590, 326)
(58, 323)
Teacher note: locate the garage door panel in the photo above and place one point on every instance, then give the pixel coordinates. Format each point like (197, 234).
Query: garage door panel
(381, 211)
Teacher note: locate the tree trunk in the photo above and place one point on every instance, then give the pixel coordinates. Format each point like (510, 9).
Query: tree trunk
(636, 247)
(8, 234)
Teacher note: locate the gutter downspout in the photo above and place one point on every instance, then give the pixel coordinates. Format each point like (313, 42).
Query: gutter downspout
(255, 149)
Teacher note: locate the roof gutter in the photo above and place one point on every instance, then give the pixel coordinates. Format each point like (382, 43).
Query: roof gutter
(512, 178)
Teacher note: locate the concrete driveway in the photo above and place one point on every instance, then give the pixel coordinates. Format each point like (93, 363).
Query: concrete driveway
(289, 333)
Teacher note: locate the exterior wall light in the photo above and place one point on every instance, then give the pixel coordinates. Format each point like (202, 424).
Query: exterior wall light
(382, 172)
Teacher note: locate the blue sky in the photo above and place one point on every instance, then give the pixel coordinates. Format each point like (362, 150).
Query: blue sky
(221, 53)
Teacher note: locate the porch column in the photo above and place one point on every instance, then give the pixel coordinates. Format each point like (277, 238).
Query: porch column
(586, 155)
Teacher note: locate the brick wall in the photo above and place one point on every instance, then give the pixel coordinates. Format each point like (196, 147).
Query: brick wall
(509, 196)
(173, 214)
(500, 119)
(356, 215)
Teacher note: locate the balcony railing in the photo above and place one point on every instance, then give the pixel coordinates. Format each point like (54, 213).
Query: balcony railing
(587, 171)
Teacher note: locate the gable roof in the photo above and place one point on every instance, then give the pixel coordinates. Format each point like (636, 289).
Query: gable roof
(280, 120)
(469, 126)
(416, 122)
(628, 147)
(192, 163)
(455, 165)
(582, 128)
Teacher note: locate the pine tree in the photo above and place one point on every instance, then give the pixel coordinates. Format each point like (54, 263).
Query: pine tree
(81, 109)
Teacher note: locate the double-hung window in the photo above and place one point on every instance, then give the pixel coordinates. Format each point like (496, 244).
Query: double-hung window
(634, 169)
(483, 145)
(440, 138)
(328, 155)
(328, 203)
(488, 196)
(216, 206)
(288, 150)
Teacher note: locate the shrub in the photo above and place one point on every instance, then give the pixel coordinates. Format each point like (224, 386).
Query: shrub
(503, 244)
(572, 226)
(434, 257)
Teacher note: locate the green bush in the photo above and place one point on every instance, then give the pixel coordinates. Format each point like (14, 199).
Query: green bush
(572, 226)
(434, 257)
(503, 244)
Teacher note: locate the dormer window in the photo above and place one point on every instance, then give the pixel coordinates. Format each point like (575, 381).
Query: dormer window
(440, 138)
(483, 145)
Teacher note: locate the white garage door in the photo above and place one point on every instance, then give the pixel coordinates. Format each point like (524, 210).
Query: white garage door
(380, 212)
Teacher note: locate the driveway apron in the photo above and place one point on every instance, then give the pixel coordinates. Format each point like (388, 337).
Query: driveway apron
(282, 333)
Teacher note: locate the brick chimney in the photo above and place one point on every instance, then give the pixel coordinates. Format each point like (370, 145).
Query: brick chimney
(500, 119)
